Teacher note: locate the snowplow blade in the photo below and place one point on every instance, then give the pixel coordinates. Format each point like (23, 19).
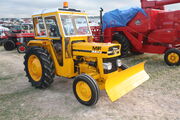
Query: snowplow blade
(124, 81)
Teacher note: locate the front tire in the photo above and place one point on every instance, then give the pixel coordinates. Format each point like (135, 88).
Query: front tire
(21, 48)
(9, 45)
(172, 57)
(86, 90)
(39, 67)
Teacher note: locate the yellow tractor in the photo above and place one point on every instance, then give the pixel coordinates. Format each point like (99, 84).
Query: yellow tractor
(63, 47)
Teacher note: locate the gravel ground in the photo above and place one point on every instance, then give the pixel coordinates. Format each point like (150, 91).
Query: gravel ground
(156, 99)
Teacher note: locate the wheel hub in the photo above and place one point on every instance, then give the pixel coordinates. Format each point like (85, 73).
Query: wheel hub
(173, 57)
(35, 68)
(84, 91)
(22, 48)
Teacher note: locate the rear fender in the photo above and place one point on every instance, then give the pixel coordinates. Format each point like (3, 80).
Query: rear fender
(39, 43)
(47, 45)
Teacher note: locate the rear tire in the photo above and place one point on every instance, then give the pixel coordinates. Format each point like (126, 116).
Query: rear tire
(9, 45)
(86, 90)
(172, 57)
(125, 45)
(39, 67)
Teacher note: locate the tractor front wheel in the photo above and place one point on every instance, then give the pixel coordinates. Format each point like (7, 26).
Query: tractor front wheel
(21, 48)
(86, 90)
(39, 67)
(9, 45)
(125, 45)
(172, 57)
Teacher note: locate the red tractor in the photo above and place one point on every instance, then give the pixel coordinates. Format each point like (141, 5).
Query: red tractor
(18, 38)
(158, 32)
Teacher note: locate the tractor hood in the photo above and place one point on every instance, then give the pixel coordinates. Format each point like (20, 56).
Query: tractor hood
(92, 49)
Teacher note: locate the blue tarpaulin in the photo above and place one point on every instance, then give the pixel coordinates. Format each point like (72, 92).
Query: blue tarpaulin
(120, 18)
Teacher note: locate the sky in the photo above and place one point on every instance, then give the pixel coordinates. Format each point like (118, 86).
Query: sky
(25, 8)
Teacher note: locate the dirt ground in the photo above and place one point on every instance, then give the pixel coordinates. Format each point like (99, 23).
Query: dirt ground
(156, 99)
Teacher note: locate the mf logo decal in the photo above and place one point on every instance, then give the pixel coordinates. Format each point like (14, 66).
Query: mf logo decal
(96, 48)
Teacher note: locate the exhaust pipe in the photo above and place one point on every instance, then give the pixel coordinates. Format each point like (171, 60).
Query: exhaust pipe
(101, 25)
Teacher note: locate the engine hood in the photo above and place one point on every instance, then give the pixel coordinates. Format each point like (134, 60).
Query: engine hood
(93, 49)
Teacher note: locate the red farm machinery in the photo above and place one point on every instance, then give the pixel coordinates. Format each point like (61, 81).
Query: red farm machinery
(18, 38)
(158, 32)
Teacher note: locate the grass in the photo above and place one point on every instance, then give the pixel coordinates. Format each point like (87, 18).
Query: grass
(6, 77)
(11, 76)
(11, 106)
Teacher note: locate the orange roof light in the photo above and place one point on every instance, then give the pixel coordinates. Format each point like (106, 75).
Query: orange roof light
(65, 5)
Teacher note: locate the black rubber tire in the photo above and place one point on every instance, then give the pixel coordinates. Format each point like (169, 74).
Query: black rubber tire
(9, 45)
(1, 42)
(48, 71)
(173, 50)
(93, 86)
(125, 45)
(21, 45)
(123, 67)
(136, 53)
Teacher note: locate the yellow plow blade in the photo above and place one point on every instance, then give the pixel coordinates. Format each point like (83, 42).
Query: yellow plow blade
(123, 82)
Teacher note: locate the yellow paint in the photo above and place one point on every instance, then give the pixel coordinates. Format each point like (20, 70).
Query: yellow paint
(83, 91)
(60, 12)
(173, 58)
(120, 83)
(35, 68)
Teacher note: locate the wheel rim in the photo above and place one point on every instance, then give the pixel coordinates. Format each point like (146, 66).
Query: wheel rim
(9, 45)
(22, 48)
(35, 68)
(83, 91)
(173, 57)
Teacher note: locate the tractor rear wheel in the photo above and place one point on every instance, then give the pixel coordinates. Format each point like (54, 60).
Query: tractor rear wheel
(9, 45)
(172, 57)
(125, 45)
(39, 67)
(86, 90)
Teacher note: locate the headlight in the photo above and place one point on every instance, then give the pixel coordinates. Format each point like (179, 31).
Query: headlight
(113, 50)
(118, 62)
(107, 66)
(110, 52)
